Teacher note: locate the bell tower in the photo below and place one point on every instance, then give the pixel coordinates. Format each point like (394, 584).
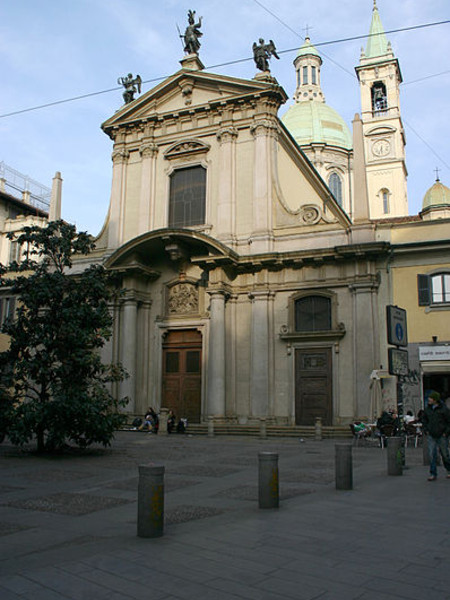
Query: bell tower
(379, 78)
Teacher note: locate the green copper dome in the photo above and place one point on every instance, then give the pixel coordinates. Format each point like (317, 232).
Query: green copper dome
(308, 49)
(316, 122)
(437, 195)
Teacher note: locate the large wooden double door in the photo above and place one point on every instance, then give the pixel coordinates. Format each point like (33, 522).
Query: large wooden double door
(313, 386)
(182, 374)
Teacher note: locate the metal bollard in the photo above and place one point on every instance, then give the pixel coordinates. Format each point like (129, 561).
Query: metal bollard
(210, 426)
(262, 428)
(395, 456)
(318, 429)
(150, 520)
(163, 415)
(268, 480)
(344, 466)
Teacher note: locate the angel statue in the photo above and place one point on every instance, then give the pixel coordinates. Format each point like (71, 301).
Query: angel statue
(192, 33)
(131, 86)
(262, 53)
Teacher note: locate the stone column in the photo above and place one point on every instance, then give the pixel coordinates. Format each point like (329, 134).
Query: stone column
(148, 152)
(128, 347)
(226, 198)
(260, 354)
(216, 355)
(117, 205)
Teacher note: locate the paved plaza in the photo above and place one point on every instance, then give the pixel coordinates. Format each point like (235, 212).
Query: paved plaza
(68, 524)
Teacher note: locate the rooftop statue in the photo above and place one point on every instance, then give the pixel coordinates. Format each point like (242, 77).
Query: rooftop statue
(131, 86)
(192, 33)
(262, 53)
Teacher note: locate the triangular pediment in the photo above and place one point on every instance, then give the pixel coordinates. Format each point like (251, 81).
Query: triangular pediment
(189, 90)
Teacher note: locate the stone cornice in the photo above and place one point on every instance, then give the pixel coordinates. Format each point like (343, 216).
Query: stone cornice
(296, 260)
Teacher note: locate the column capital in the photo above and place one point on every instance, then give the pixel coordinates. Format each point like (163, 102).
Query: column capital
(264, 127)
(226, 134)
(148, 150)
(261, 295)
(120, 156)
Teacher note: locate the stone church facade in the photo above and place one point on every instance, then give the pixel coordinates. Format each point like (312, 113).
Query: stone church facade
(247, 290)
(255, 255)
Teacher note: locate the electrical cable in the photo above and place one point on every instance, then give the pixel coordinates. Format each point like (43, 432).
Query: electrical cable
(229, 63)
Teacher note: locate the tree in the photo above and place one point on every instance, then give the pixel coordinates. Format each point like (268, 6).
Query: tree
(53, 382)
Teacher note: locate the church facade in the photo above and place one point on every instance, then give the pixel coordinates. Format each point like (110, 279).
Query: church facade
(253, 266)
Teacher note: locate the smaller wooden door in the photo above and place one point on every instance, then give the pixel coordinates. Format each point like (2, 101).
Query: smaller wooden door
(182, 376)
(313, 388)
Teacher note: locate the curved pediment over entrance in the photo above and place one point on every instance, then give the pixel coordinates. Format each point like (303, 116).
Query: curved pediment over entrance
(153, 247)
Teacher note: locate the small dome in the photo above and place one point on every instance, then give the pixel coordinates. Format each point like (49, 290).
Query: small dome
(308, 49)
(437, 195)
(316, 122)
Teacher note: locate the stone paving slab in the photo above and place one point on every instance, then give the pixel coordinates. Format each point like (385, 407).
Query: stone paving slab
(388, 538)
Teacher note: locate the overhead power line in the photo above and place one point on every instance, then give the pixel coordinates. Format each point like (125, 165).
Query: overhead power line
(228, 63)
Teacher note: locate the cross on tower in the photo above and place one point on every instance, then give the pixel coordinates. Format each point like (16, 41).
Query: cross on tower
(306, 30)
(437, 173)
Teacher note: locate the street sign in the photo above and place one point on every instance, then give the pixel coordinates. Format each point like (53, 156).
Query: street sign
(398, 361)
(396, 326)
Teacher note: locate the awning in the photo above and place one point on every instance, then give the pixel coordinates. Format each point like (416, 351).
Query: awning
(435, 366)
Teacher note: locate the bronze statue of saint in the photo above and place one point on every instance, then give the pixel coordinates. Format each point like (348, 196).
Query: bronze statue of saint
(131, 86)
(192, 33)
(262, 52)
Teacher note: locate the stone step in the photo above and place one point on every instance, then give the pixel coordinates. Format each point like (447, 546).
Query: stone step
(272, 430)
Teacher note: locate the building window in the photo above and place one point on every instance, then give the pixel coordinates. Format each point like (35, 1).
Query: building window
(187, 197)
(433, 289)
(313, 313)
(335, 185)
(385, 199)
(313, 75)
(305, 75)
(14, 251)
(7, 309)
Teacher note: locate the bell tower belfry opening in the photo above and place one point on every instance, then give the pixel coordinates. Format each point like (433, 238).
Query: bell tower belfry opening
(384, 137)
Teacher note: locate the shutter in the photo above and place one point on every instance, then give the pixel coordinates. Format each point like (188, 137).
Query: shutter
(423, 289)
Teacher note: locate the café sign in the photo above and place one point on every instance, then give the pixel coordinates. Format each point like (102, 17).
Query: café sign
(434, 352)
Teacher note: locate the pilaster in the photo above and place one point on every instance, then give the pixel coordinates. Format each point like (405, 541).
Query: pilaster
(265, 133)
(148, 151)
(120, 157)
(261, 352)
(226, 198)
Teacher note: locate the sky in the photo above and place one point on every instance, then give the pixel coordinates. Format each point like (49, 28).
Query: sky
(53, 50)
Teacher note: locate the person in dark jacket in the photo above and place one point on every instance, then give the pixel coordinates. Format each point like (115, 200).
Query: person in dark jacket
(436, 424)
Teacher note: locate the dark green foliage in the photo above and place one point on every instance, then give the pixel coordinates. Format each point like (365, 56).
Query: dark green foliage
(54, 385)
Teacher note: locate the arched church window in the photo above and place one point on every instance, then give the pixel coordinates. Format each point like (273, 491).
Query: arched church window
(187, 201)
(335, 185)
(313, 75)
(313, 313)
(379, 98)
(385, 198)
(305, 75)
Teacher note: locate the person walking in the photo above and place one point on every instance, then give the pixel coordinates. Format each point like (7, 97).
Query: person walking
(436, 424)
